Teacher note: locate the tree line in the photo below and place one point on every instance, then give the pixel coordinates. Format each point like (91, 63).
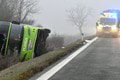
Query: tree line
(17, 10)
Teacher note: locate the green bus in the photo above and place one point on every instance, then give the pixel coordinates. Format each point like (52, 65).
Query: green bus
(26, 40)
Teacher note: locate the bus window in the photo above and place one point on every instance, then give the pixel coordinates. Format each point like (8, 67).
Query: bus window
(2, 42)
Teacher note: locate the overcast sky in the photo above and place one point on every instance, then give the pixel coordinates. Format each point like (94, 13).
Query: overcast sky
(53, 14)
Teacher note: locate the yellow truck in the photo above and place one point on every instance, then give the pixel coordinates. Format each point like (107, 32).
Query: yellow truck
(108, 23)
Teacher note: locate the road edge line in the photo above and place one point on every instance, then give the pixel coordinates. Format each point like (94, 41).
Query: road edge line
(60, 65)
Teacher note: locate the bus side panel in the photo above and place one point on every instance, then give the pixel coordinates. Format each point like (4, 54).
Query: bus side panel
(28, 43)
(15, 39)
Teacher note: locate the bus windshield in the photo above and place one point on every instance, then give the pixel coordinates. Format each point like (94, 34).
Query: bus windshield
(107, 21)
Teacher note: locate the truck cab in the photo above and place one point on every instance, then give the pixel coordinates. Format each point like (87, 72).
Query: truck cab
(108, 23)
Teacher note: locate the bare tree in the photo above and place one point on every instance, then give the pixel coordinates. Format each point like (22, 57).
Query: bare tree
(18, 10)
(23, 8)
(54, 42)
(6, 12)
(28, 21)
(78, 16)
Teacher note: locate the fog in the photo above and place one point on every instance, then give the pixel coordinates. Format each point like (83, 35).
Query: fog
(53, 14)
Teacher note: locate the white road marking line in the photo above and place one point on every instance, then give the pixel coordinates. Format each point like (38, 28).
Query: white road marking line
(88, 41)
(60, 65)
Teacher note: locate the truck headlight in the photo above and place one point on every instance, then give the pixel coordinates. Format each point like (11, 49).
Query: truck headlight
(114, 29)
(99, 28)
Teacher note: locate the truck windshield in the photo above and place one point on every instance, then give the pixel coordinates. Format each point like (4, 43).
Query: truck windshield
(107, 21)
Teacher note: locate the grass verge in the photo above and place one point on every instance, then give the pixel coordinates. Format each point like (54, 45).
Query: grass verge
(23, 71)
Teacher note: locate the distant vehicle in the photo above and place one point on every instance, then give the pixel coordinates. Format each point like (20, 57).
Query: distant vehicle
(26, 40)
(108, 23)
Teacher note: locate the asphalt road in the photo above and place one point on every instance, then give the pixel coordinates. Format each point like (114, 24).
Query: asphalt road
(100, 61)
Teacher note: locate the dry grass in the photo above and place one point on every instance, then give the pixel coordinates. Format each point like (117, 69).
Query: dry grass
(8, 61)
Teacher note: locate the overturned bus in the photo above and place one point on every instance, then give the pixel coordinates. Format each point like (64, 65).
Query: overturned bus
(26, 40)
